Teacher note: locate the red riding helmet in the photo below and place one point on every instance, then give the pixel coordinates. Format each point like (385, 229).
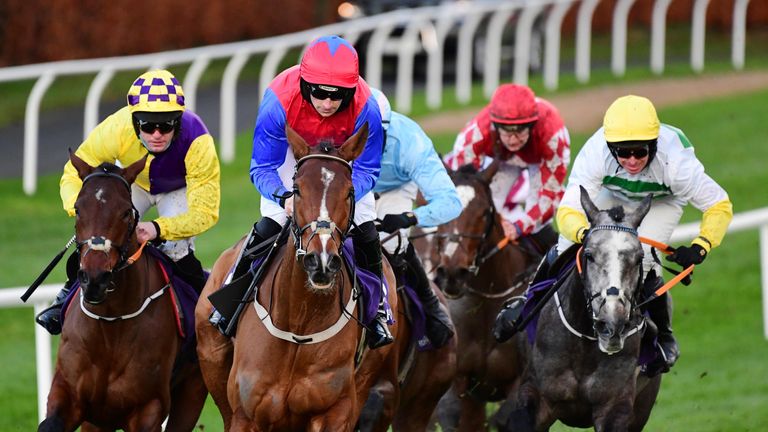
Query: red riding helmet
(332, 61)
(513, 104)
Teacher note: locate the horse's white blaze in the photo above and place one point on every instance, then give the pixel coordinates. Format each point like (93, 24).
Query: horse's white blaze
(615, 306)
(450, 248)
(100, 196)
(466, 195)
(326, 177)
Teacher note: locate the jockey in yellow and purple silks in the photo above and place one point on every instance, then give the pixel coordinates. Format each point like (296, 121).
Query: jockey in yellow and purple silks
(323, 98)
(181, 177)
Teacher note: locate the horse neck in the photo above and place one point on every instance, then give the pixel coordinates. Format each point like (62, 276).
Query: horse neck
(292, 305)
(132, 286)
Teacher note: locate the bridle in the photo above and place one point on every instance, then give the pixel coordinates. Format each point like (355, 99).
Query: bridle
(478, 260)
(321, 225)
(612, 291)
(103, 244)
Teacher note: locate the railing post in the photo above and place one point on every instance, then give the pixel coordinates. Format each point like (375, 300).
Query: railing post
(93, 98)
(522, 59)
(658, 35)
(552, 45)
(464, 57)
(43, 364)
(698, 34)
(619, 37)
(739, 33)
(409, 42)
(435, 56)
(764, 274)
(31, 129)
(228, 115)
(584, 39)
(192, 79)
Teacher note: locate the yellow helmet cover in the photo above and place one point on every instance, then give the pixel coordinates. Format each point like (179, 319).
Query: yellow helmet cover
(631, 118)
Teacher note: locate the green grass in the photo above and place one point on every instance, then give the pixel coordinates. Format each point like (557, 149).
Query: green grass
(718, 385)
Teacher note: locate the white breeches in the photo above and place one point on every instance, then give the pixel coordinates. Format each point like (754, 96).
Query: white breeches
(396, 201)
(168, 204)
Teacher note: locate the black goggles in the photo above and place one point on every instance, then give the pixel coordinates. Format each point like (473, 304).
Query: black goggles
(151, 127)
(318, 92)
(628, 152)
(513, 128)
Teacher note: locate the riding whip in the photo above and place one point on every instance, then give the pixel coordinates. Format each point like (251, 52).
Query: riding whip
(46, 271)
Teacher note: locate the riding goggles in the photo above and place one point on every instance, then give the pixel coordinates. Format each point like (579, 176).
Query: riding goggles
(323, 92)
(163, 127)
(513, 128)
(627, 152)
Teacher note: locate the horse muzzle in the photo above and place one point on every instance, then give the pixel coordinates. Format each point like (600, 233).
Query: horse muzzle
(95, 287)
(611, 335)
(321, 270)
(454, 282)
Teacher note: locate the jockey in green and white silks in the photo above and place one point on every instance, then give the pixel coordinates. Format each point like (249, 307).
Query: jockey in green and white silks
(673, 175)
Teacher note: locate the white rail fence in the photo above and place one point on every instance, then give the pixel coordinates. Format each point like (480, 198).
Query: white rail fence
(424, 31)
(10, 297)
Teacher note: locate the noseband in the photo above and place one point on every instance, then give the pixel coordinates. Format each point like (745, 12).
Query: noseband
(478, 260)
(103, 244)
(322, 224)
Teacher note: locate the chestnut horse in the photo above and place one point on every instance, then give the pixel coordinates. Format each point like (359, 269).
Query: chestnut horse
(583, 366)
(477, 277)
(120, 363)
(291, 365)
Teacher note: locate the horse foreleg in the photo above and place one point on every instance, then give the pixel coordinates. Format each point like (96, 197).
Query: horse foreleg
(644, 403)
(187, 398)
(147, 419)
(379, 408)
(338, 418)
(62, 413)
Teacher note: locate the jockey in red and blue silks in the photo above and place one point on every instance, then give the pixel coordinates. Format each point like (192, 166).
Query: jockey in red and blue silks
(324, 98)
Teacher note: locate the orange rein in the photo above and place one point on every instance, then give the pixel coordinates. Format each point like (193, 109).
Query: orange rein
(136, 255)
(662, 247)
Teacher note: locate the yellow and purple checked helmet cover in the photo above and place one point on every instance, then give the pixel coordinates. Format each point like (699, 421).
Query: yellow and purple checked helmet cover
(156, 91)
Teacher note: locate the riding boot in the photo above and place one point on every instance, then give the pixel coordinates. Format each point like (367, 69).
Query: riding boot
(660, 311)
(368, 256)
(439, 326)
(50, 318)
(191, 271)
(507, 320)
(262, 230)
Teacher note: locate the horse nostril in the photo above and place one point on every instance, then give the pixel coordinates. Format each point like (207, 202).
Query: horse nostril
(602, 328)
(82, 277)
(311, 262)
(334, 264)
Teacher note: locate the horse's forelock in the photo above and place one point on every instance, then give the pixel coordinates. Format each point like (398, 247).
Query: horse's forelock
(617, 214)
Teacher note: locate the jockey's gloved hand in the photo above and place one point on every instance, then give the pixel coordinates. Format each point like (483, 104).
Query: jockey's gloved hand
(687, 255)
(394, 222)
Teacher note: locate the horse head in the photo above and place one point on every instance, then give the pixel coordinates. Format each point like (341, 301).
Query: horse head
(612, 270)
(105, 222)
(324, 203)
(461, 241)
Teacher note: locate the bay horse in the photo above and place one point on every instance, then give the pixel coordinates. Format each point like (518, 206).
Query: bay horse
(583, 366)
(120, 362)
(424, 374)
(292, 365)
(477, 276)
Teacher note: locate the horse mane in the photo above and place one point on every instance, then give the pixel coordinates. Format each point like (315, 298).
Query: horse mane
(326, 146)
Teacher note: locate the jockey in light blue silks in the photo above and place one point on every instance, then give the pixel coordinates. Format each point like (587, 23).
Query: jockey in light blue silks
(410, 164)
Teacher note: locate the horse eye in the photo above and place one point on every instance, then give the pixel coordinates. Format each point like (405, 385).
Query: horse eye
(588, 255)
(128, 214)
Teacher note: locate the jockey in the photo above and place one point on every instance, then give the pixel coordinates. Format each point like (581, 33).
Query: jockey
(181, 177)
(323, 97)
(410, 164)
(631, 156)
(528, 135)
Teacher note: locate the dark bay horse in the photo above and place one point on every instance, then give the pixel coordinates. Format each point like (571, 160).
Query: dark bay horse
(424, 375)
(477, 278)
(291, 365)
(120, 342)
(583, 366)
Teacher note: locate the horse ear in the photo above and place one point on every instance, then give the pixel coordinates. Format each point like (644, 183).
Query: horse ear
(637, 216)
(487, 174)
(132, 171)
(589, 207)
(298, 145)
(353, 147)
(82, 167)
